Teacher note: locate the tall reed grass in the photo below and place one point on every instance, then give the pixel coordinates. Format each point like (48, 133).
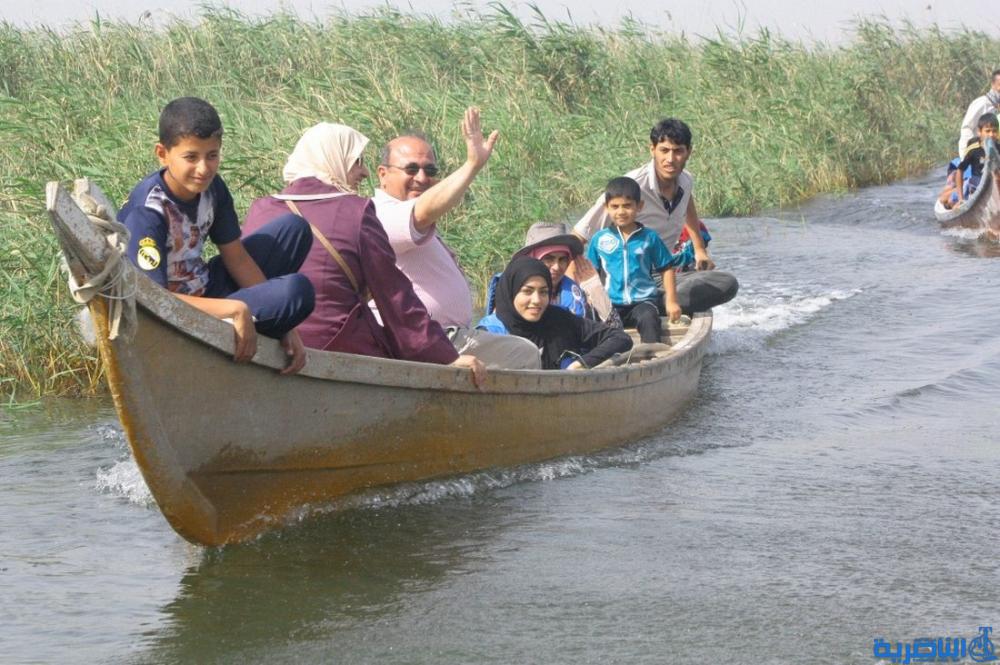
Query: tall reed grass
(774, 122)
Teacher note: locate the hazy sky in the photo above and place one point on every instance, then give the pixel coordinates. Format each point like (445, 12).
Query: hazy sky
(792, 18)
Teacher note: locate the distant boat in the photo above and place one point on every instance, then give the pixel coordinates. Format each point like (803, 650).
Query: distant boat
(981, 210)
(231, 450)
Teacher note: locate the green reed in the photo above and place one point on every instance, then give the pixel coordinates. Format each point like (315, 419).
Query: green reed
(774, 122)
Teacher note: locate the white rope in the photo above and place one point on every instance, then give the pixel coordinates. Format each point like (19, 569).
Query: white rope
(116, 281)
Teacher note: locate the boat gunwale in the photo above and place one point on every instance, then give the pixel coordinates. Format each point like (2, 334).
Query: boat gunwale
(352, 368)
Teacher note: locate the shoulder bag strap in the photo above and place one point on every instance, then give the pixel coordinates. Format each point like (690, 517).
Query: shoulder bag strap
(330, 249)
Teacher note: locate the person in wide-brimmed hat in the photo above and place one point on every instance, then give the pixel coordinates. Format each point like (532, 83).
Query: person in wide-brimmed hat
(558, 248)
(554, 245)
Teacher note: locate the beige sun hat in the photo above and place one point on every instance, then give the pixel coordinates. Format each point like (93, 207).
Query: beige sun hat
(541, 234)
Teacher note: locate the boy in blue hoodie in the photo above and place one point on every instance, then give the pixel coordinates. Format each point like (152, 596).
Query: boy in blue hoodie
(628, 253)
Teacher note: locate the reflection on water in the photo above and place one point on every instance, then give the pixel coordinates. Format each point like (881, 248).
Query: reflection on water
(311, 581)
(836, 480)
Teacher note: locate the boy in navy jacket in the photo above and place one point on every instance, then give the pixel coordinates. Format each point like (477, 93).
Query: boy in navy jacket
(169, 214)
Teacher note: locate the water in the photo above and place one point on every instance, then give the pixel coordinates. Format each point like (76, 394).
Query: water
(836, 481)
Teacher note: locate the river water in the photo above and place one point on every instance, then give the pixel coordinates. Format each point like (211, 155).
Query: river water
(835, 482)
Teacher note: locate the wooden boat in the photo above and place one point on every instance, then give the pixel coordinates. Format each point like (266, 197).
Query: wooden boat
(981, 211)
(230, 450)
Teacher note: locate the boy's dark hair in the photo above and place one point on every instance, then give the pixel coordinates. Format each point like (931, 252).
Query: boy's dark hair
(670, 128)
(188, 116)
(988, 119)
(996, 73)
(623, 187)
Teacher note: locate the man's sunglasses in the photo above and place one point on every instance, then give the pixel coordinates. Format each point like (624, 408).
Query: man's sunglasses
(413, 169)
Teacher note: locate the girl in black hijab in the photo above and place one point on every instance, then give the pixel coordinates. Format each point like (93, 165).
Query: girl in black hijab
(566, 341)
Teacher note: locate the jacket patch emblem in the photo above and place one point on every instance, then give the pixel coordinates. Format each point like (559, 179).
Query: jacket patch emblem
(608, 243)
(148, 256)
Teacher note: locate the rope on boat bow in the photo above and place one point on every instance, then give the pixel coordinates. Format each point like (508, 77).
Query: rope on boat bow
(115, 282)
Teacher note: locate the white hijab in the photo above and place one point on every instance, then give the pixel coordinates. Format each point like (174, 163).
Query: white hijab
(326, 151)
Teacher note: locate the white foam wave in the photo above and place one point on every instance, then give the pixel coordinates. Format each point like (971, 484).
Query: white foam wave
(747, 322)
(435, 491)
(124, 480)
(962, 233)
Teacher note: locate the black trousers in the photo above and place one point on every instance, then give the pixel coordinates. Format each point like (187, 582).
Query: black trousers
(644, 316)
(701, 291)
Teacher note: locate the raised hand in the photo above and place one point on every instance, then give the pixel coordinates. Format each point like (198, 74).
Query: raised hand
(478, 150)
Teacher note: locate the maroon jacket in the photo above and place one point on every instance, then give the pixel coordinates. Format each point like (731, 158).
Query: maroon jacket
(342, 321)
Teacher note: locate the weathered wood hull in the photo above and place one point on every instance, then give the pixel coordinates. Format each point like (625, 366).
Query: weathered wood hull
(981, 211)
(230, 450)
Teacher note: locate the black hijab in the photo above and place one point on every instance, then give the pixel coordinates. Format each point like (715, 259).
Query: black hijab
(554, 332)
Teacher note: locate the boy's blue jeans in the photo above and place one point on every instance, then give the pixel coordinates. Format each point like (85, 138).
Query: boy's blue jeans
(285, 300)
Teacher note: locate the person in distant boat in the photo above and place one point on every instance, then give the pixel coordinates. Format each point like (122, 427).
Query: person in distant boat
(253, 281)
(667, 206)
(409, 202)
(554, 245)
(988, 103)
(566, 341)
(351, 261)
(965, 175)
(629, 254)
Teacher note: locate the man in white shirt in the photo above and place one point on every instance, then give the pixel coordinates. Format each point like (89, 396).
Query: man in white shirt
(409, 202)
(667, 207)
(988, 103)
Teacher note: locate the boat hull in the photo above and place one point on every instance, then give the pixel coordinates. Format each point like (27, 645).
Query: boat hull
(981, 211)
(230, 450)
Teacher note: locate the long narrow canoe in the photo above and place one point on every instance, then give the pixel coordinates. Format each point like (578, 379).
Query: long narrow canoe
(981, 211)
(231, 450)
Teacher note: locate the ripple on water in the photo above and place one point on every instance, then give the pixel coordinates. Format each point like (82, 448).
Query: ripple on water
(973, 387)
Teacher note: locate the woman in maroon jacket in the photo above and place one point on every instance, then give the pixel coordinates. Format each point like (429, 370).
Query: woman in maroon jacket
(351, 260)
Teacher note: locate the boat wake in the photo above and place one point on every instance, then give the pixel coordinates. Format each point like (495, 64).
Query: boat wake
(469, 485)
(962, 233)
(746, 323)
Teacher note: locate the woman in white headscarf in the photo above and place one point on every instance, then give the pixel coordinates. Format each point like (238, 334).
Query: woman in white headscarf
(351, 260)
